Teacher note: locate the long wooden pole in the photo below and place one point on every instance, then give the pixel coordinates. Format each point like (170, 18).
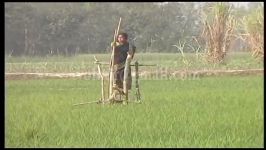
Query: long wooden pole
(104, 63)
(110, 76)
(85, 103)
(111, 73)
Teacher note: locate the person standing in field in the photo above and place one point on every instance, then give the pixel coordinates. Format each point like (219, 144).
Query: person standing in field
(123, 50)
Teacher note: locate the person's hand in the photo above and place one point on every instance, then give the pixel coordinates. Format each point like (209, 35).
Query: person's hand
(112, 44)
(129, 55)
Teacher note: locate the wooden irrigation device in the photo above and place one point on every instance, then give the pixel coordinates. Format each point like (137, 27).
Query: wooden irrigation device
(123, 94)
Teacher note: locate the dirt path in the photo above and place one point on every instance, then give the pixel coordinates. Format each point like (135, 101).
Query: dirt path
(143, 74)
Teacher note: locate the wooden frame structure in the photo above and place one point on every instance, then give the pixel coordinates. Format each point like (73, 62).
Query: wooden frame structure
(124, 93)
(112, 92)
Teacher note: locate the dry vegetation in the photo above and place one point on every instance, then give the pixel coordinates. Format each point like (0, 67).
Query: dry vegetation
(254, 31)
(219, 27)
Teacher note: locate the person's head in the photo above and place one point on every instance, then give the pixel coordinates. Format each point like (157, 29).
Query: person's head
(122, 37)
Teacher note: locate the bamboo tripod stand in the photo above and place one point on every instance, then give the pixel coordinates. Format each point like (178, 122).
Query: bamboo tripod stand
(124, 93)
(111, 90)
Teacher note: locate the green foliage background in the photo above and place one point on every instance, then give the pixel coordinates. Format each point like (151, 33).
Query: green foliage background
(71, 28)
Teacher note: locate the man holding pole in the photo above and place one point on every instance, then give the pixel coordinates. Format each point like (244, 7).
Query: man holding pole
(123, 50)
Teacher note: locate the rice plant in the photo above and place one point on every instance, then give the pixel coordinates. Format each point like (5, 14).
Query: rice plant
(211, 112)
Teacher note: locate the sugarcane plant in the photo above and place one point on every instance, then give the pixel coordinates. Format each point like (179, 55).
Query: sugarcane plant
(218, 31)
(253, 35)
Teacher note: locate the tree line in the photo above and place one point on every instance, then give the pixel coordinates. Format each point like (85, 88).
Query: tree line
(74, 28)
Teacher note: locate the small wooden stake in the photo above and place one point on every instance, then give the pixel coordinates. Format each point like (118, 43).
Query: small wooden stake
(137, 80)
(125, 82)
(100, 72)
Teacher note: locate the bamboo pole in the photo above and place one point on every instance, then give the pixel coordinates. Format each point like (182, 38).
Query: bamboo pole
(111, 73)
(104, 101)
(85, 103)
(103, 63)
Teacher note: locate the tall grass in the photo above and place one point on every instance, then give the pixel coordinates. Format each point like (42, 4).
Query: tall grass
(211, 112)
(84, 63)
